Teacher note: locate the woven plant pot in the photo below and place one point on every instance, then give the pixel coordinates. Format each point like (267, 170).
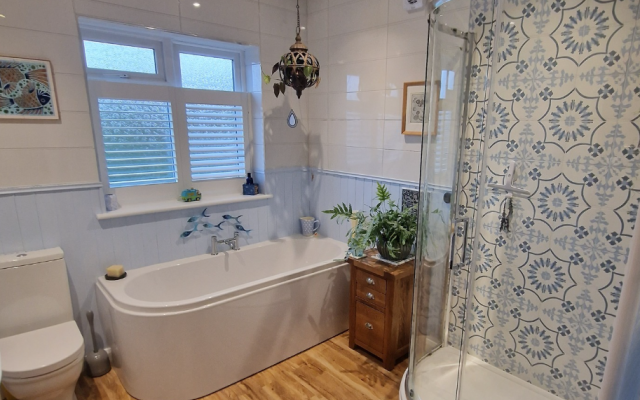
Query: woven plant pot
(401, 254)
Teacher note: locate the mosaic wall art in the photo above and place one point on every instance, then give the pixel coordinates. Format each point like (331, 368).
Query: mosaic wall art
(566, 108)
(27, 89)
(410, 198)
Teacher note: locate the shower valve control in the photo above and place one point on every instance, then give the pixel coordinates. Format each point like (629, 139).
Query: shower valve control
(370, 296)
(371, 282)
(368, 326)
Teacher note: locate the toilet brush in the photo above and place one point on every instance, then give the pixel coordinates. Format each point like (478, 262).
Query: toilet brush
(98, 361)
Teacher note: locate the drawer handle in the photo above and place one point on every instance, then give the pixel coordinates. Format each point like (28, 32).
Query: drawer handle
(370, 296)
(368, 326)
(371, 281)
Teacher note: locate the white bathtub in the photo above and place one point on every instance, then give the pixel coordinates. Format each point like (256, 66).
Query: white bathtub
(184, 329)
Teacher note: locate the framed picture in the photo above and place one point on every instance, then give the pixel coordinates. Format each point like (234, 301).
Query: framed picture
(414, 107)
(27, 89)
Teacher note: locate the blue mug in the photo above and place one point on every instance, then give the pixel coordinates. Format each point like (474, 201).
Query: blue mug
(309, 225)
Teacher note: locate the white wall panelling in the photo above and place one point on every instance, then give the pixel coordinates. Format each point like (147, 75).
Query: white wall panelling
(67, 218)
(329, 188)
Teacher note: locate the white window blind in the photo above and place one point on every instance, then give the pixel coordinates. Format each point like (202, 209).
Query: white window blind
(216, 141)
(138, 142)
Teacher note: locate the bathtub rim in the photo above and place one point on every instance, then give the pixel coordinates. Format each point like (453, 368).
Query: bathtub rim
(114, 291)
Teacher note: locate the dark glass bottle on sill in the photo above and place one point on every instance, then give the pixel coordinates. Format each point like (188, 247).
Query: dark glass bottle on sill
(249, 188)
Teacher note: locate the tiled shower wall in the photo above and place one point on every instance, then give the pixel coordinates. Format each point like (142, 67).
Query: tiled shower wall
(565, 106)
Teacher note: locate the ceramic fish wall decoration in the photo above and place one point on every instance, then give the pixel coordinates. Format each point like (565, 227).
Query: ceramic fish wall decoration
(228, 217)
(241, 228)
(187, 233)
(198, 222)
(26, 89)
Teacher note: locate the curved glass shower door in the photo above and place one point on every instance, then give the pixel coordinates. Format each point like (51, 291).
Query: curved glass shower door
(441, 256)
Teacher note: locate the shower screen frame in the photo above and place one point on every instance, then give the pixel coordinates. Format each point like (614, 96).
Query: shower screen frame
(458, 254)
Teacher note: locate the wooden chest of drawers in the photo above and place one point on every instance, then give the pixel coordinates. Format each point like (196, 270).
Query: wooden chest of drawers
(380, 309)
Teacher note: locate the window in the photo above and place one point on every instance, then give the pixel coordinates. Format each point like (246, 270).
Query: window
(216, 141)
(168, 109)
(203, 72)
(117, 57)
(138, 142)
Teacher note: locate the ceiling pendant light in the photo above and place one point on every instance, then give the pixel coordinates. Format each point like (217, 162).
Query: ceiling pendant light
(298, 69)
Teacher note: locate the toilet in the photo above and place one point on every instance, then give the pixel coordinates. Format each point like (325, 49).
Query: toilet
(41, 348)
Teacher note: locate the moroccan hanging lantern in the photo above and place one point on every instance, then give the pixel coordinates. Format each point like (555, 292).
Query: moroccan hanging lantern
(298, 69)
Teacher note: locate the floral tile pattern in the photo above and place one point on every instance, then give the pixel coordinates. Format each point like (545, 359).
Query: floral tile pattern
(566, 108)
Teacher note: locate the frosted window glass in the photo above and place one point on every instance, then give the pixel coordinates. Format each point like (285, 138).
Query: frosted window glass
(210, 73)
(117, 57)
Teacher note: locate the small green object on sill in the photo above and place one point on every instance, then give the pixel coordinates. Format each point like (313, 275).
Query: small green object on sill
(191, 195)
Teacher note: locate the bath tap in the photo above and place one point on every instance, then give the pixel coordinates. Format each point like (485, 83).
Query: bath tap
(233, 243)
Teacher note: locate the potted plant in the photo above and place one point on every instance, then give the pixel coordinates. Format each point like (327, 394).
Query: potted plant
(391, 230)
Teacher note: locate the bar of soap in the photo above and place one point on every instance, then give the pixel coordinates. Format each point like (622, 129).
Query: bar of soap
(115, 271)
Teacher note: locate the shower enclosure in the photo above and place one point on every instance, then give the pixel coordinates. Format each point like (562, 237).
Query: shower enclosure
(525, 312)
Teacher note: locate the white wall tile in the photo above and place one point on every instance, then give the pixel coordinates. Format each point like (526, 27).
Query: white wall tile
(333, 3)
(127, 15)
(356, 160)
(393, 104)
(286, 155)
(281, 106)
(357, 77)
(218, 32)
(320, 49)
(259, 157)
(276, 131)
(356, 133)
(239, 13)
(402, 165)
(318, 106)
(358, 46)
(362, 15)
(73, 130)
(318, 25)
(71, 92)
(407, 37)
(62, 51)
(170, 7)
(395, 140)
(288, 4)
(410, 68)
(47, 166)
(317, 5)
(318, 131)
(359, 105)
(54, 16)
(279, 21)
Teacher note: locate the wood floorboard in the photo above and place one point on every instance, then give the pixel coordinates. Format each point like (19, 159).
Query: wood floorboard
(329, 371)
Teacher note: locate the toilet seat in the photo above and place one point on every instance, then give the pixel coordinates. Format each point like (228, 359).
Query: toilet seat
(42, 351)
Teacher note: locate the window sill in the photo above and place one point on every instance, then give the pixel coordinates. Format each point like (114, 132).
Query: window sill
(174, 205)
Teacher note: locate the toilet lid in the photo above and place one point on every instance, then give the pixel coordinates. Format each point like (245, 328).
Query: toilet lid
(42, 351)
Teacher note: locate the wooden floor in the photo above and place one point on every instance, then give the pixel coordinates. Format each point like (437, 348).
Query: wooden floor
(330, 370)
